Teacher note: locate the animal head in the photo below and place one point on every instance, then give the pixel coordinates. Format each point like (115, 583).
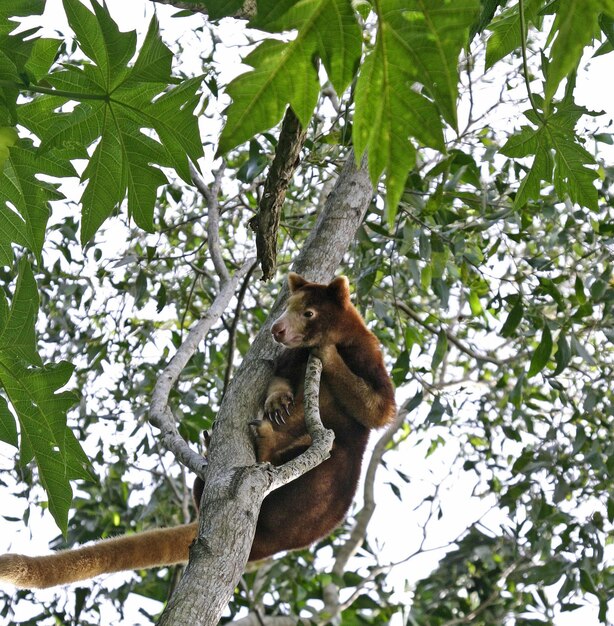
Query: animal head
(314, 314)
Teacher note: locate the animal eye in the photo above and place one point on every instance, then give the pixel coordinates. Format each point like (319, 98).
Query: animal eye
(308, 314)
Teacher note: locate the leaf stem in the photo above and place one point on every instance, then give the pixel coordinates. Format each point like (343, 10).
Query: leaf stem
(525, 65)
(70, 95)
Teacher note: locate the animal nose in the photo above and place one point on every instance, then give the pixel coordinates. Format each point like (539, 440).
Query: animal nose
(278, 332)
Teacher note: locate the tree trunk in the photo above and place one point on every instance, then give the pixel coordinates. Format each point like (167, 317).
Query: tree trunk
(236, 485)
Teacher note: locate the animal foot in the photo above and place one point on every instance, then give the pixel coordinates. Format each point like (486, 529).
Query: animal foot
(277, 406)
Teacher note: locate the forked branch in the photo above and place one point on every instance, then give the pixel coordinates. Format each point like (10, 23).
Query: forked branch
(322, 438)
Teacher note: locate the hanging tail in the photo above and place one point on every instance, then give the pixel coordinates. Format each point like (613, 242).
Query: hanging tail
(152, 548)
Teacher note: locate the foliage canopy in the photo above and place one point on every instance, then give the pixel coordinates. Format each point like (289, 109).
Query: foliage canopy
(484, 265)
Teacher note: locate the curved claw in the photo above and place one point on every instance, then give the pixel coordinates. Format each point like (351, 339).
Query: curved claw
(287, 410)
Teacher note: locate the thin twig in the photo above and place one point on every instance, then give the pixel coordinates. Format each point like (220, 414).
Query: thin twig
(232, 331)
(213, 222)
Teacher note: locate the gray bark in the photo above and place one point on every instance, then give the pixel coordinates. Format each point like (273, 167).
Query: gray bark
(235, 484)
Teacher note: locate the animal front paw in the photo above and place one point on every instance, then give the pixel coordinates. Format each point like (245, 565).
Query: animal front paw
(277, 406)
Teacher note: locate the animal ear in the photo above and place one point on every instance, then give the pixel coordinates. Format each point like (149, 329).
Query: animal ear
(295, 282)
(340, 289)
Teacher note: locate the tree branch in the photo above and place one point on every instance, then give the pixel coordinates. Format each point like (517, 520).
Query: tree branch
(160, 414)
(266, 221)
(232, 332)
(235, 484)
(321, 438)
(213, 219)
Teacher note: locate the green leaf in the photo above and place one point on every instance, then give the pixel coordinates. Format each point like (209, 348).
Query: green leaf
(153, 65)
(563, 354)
(172, 117)
(579, 289)
(106, 183)
(17, 337)
(20, 186)
(513, 320)
(75, 131)
(559, 158)
(42, 417)
(606, 23)
(18, 8)
(387, 114)
(416, 42)
(340, 40)
(8, 427)
(260, 96)
(8, 138)
(255, 164)
(415, 402)
(119, 47)
(217, 9)
(489, 8)
(440, 350)
(435, 414)
(571, 36)
(400, 368)
(32, 391)
(542, 353)
(522, 144)
(285, 73)
(430, 37)
(115, 103)
(505, 37)
(587, 583)
(571, 176)
(515, 396)
(474, 303)
(43, 54)
(89, 35)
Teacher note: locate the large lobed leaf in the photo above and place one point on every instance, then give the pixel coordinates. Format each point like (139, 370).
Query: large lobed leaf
(116, 104)
(505, 31)
(418, 43)
(285, 72)
(32, 391)
(124, 160)
(559, 157)
(572, 34)
(20, 186)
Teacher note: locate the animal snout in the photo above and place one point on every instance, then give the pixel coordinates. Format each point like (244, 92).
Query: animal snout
(279, 332)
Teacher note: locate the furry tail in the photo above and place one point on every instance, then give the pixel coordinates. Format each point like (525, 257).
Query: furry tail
(152, 548)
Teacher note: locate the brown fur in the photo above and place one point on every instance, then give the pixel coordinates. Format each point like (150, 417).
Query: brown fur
(355, 396)
(152, 548)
